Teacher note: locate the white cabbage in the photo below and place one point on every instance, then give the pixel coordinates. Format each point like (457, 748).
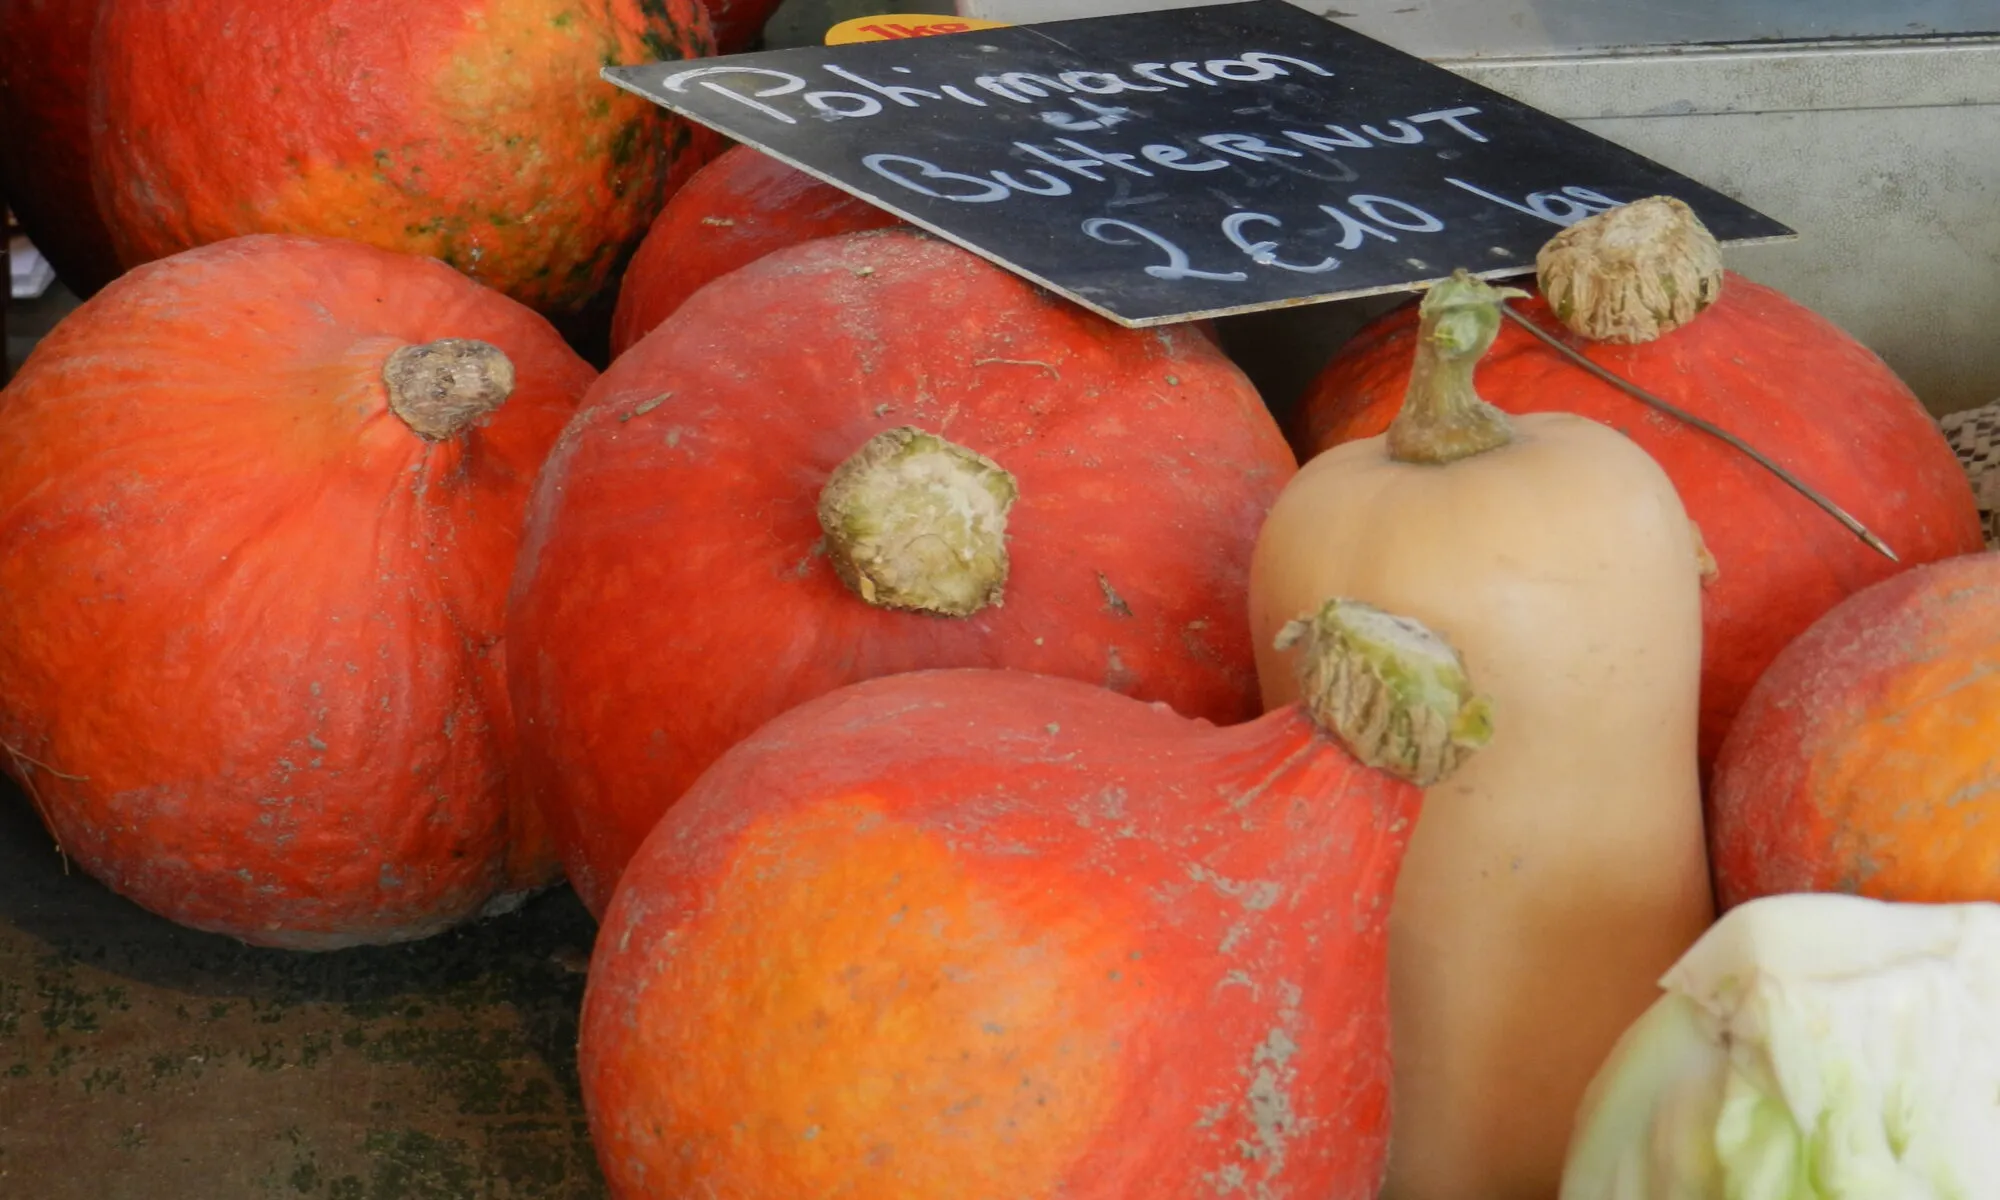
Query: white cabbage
(1808, 1047)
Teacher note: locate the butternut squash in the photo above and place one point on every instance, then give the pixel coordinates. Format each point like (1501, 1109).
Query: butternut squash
(1558, 874)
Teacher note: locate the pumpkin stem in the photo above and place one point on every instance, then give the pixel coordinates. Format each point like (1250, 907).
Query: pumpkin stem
(1632, 274)
(916, 522)
(1392, 691)
(1443, 418)
(440, 388)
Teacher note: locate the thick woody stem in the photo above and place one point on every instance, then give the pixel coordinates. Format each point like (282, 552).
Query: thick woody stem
(1392, 691)
(1633, 274)
(915, 522)
(440, 388)
(1443, 418)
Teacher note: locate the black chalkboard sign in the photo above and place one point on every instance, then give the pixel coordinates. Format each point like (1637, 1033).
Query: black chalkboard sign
(1194, 162)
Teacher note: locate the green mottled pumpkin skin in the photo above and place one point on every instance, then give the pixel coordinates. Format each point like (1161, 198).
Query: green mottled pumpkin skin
(478, 132)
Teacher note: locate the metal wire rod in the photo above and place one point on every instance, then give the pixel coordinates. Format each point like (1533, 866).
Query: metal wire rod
(1641, 394)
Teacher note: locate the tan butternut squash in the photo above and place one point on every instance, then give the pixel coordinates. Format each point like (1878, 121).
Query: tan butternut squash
(1557, 875)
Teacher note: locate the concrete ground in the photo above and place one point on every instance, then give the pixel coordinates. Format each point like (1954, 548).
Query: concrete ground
(142, 1061)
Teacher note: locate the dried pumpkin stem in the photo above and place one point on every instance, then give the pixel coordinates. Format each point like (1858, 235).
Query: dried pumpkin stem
(1443, 418)
(440, 388)
(1632, 274)
(1391, 690)
(916, 522)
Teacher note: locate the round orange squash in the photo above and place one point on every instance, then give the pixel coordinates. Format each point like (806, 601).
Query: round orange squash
(955, 935)
(258, 509)
(1867, 759)
(1759, 365)
(45, 137)
(863, 455)
(735, 210)
(476, 132)
(739, 24)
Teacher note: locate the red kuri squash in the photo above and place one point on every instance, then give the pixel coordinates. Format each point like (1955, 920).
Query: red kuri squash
(739, 24)
(735, 210)
(956, 935)
(258, 509)
(1867, 759)
(45, 137)
(477, 132)
(1009, 480)
(1755, 363)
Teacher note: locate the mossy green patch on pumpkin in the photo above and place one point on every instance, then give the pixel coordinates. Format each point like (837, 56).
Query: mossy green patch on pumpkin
(658, 46)
(625, 143)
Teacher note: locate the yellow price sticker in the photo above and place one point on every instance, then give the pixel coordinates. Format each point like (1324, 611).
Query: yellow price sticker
(894, 27)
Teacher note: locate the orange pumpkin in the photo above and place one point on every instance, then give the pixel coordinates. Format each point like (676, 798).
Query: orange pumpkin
(955, 935)
(734, 211)
(739, 24)
(477, 132)
(1754, 362)
(1867, 759)
(863, 455)
(258, 509)
(743, 205)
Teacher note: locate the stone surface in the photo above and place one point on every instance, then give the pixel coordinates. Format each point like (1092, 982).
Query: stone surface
(142, 1061)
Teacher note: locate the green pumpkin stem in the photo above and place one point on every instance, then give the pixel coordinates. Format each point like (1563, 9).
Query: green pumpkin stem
(915, 522)
(1443, 418)
(440, 388)
(1389, 689)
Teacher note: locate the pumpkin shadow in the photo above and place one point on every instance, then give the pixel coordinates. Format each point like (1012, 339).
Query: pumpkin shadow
(514, 980)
